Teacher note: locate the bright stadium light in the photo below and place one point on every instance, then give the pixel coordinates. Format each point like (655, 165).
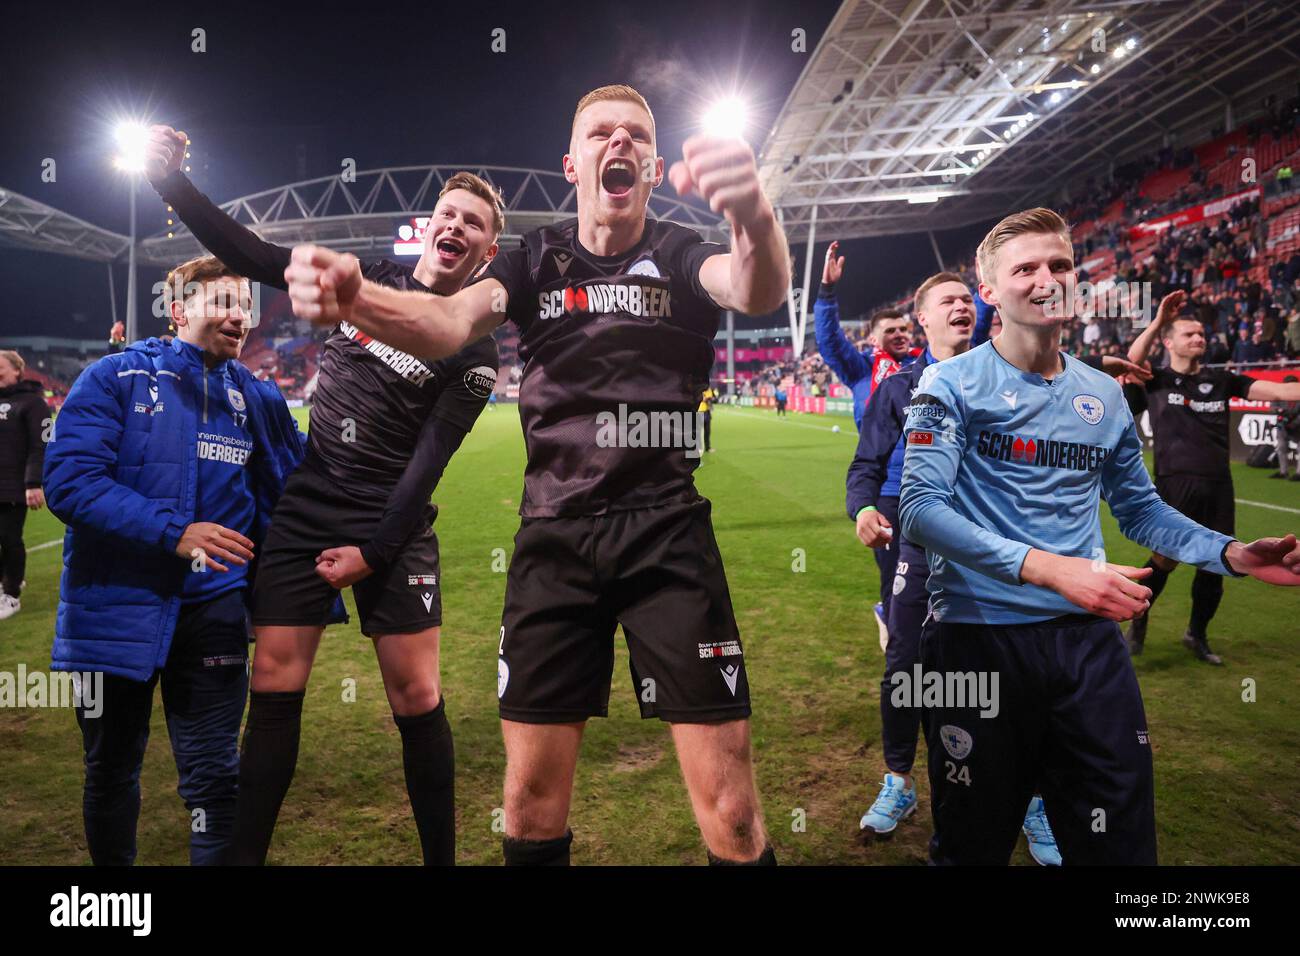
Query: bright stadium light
(726, 118)
(1054, 98)
(1095, 69)
(131, 139)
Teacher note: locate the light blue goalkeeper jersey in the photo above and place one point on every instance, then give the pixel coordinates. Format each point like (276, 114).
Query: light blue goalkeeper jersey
(1000, 460)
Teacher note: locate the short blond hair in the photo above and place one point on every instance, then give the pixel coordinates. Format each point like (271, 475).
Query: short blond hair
(617, 91)
(1039, 219)
(484, 190)
(14, 359)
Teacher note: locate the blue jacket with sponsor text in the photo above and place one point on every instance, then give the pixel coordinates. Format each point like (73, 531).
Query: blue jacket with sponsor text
(121, 472)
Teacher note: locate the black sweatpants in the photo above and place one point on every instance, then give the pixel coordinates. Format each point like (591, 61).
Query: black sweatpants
(13, 554)
(1069, 718)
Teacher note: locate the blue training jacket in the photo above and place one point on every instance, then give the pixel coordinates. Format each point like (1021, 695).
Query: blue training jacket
(121, 472)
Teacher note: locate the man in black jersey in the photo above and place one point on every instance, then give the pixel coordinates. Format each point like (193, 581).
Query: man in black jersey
(617, 315)
(384, 424)
(1188, 406)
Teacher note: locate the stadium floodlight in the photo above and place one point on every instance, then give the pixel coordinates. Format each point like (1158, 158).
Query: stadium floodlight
(131, 138)
(1095, 69)
(1131, 43)
(1054, 98)
(726, 118)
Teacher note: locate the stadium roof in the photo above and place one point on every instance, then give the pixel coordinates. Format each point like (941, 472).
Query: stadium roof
(916, 115)
(361, 216)
(29, 224)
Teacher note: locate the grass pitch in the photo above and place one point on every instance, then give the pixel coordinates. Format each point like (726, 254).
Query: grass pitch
(1227, 770)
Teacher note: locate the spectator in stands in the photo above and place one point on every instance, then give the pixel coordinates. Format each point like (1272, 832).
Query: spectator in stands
(1251, 348)
(24, 419)
(1285, 431)
(1293, 332)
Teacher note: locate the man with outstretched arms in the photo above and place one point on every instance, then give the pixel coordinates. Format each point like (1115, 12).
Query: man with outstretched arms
(384, 425)
(1189, 407)
(617, 315)
(1009, 449)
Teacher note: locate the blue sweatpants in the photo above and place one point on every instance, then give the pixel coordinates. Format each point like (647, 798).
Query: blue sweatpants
(204, 686)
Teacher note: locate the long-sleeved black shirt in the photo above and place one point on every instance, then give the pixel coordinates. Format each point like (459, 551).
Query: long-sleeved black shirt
(23, 416)
(383, 422)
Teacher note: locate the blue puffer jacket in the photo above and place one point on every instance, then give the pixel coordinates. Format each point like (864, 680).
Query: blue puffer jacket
(121, 472)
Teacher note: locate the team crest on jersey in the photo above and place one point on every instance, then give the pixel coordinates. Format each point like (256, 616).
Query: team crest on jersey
(503, 677)
(481, 380)
(645, 267)
(4, 411)
(1090, 408)
(956, 741)
(236, 399)
(1206, 387)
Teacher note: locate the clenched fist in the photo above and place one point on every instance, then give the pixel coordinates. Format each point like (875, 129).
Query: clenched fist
(342, 567)
(164, 153)
(723, 172)
(874, 529)
(323, 284)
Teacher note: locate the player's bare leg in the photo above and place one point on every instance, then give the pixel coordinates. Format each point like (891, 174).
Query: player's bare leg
(540, 763)
(715, 761)
(409, 665)
(282, 657)
(282, 661)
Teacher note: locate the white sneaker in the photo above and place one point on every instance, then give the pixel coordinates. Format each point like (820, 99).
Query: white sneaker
(9, 606)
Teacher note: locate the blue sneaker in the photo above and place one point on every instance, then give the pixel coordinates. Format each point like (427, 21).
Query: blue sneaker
(1042, 844)
(895, 803)
(880, 622)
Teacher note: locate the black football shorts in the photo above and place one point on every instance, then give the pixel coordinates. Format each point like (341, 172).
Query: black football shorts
(313, 514)
(656, 571)
(1204, 500)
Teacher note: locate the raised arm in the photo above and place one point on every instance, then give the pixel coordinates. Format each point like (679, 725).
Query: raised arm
(754, 276)
(839, 353)
(326, 288)
(231, 242)
(1170, 306)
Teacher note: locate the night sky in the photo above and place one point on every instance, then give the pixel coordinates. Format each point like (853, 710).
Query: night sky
(279, 97)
